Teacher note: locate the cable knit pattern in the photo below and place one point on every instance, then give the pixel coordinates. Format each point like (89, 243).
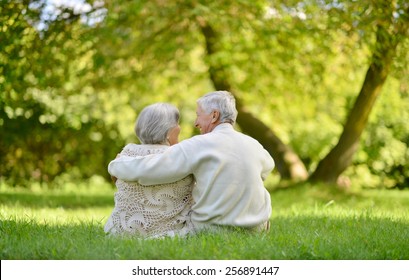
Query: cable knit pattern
(151, 211)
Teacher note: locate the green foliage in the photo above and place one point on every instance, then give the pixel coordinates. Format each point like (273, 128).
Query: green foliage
(385, 146)
(50, 118)
(42, 151)
(72, 82)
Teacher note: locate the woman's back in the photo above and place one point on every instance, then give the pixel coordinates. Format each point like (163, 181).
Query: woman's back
(151, 211)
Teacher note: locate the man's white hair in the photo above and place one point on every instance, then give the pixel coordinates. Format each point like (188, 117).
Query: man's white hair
(222, 101)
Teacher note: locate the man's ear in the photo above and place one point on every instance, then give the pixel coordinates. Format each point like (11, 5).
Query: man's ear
(215, 116)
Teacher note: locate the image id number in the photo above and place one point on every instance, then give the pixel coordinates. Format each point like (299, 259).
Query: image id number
(251, 270)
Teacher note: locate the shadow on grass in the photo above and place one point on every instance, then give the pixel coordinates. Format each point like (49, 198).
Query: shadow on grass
(69, 201)
(308, 195)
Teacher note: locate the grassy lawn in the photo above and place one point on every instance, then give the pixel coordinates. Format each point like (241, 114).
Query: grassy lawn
(308, 222)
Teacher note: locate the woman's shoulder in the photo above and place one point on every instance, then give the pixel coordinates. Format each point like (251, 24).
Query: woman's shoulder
(143, 149)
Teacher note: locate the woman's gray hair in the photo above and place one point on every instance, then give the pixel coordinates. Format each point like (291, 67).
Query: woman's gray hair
(154, 123)
(222, 101)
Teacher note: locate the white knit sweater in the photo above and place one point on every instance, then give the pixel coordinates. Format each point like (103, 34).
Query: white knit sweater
(151, 211)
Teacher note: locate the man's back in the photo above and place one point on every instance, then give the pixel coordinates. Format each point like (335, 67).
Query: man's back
(228, 167)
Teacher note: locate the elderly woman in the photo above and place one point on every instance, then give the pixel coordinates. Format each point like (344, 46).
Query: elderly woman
(158, 210)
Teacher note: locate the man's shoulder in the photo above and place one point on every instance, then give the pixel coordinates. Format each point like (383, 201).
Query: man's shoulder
(194, 140)
(247, 138)
(196, 143)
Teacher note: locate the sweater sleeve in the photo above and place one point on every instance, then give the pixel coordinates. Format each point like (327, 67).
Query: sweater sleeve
(170, 166)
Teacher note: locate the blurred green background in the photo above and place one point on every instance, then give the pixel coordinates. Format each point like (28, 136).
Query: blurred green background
(314, 80)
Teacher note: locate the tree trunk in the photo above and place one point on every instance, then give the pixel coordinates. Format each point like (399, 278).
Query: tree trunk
(340, 157)
(288, 164)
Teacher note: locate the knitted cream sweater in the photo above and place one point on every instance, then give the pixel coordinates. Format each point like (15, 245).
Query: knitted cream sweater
(151, 211)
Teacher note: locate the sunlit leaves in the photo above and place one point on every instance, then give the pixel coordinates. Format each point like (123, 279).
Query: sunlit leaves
(298, 66)
(50, 117)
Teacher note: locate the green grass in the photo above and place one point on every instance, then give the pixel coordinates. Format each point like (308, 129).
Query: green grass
(308, 222)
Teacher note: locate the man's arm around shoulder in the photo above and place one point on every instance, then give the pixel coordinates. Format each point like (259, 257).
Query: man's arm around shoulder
(168, 167)
(124, 168)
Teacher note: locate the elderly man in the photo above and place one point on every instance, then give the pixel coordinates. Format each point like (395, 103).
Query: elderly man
(229, 168)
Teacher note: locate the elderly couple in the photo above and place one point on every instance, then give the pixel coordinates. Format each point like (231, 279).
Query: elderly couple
(208, 182)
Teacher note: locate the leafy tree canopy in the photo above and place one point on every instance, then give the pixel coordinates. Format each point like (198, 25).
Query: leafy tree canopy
(73, 78)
